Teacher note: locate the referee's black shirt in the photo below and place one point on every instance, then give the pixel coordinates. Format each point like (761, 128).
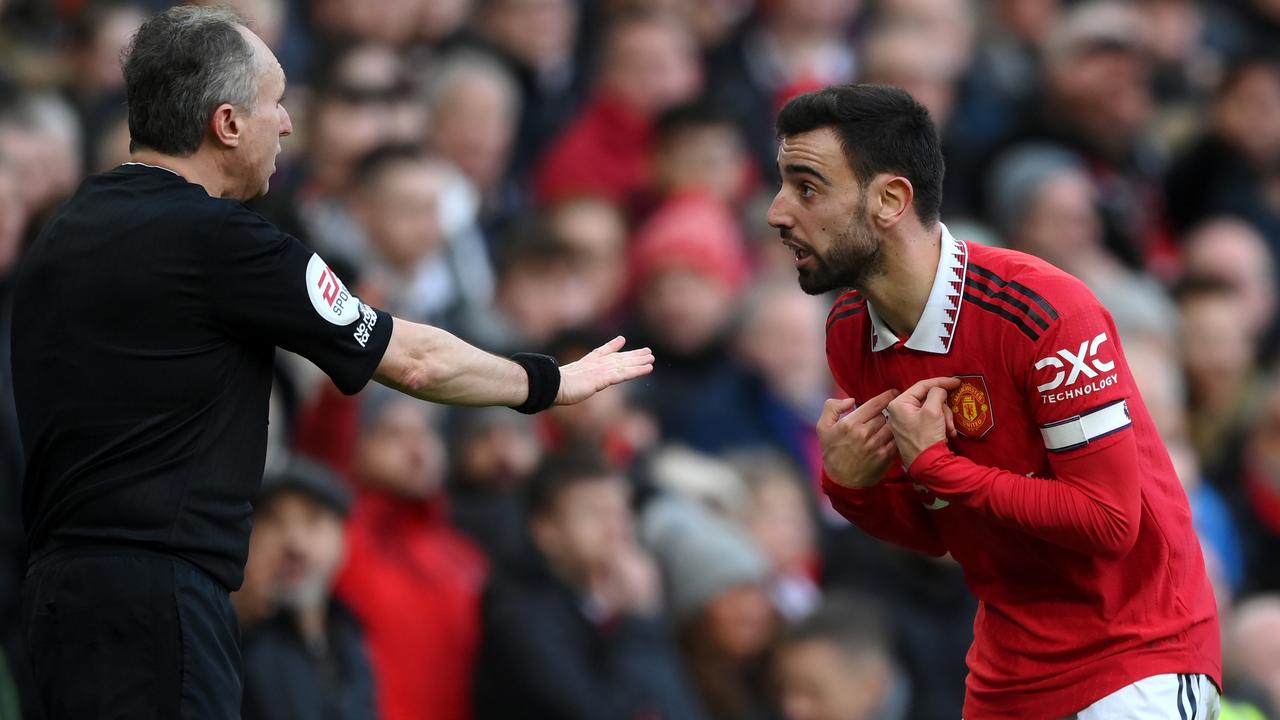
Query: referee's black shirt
(146, 316)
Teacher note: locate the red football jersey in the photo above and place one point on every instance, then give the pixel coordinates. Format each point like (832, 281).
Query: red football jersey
(1057, 496)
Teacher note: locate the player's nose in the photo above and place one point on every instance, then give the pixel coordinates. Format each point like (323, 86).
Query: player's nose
(779, 216)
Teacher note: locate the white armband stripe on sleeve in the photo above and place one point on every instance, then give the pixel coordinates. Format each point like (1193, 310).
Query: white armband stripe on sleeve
(1083, 429)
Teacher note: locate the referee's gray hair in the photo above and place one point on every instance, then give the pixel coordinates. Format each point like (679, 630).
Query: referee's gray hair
(180, 66)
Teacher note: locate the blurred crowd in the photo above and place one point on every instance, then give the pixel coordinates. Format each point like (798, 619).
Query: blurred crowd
(546, 174)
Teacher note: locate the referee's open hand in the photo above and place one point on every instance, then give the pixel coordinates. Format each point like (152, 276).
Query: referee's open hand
(920, 417)
(858, 447)
(606, 365)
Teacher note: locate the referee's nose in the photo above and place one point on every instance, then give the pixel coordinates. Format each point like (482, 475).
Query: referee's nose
(286, 124)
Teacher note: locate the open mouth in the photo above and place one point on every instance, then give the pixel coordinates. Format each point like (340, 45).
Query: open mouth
(802, 253)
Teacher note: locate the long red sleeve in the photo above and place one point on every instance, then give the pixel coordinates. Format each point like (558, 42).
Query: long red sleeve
(1091, 504)
(890, 511)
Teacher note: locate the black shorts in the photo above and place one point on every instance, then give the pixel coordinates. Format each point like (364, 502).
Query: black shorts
(129, 635)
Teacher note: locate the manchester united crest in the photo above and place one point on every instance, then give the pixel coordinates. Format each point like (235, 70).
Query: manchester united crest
(971, 407)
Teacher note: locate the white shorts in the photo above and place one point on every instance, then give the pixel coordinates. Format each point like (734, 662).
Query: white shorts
(1159, 697)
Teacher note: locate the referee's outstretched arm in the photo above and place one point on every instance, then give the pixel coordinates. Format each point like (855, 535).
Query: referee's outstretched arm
(435, 365)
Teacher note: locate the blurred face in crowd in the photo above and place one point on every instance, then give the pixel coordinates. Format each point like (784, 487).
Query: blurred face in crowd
(651, 65)
(1102, 93)
(97, 65)
(358, 115)
(597, 232)
(256, 599)
(1061, 223)
(1237, 254)
(783, 338)
(538, 33)
(546, 296)
(708, 158)
(685, 310)
(1255, 646)
(821, 214)
(400, 453)
(44, 160)
(586, 527)
(820, 17)
(389, 21)
(1029, 20)
(261, 129)
(779, 520)
(740, 622)
(945, 29)
(311, 547)
(818, 681)
(1158, 376)
(499, 456)
(1217, 349)
(1247, 115)
(911, 59)
(473, 124)
(400, 211)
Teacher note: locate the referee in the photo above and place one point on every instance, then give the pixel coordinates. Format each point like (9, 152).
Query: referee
(145, 322)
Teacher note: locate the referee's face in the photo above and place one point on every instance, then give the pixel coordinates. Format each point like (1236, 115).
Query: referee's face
(821, 214)
(264, 127)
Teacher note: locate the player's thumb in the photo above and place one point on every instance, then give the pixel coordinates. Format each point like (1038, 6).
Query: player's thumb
(936, 400)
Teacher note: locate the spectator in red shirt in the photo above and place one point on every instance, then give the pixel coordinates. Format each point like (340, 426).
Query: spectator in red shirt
(413, 581)
(650, 64)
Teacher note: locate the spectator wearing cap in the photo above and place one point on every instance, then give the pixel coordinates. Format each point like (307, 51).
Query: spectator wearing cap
(577, 632)
(716, 589)
(413, 581)
(309, 660)
(689, 271)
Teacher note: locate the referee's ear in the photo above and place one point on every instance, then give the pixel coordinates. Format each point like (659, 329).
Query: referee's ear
(226, 126)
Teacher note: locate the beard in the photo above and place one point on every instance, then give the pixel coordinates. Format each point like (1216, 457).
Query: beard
(854, 256)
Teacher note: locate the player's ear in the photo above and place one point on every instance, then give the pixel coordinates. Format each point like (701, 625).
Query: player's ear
(226, 125)
(894, 194)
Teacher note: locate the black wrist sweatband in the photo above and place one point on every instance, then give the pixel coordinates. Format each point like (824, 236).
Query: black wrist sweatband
(544, 381)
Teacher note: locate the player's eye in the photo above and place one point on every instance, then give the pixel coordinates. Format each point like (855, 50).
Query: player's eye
(807, 191)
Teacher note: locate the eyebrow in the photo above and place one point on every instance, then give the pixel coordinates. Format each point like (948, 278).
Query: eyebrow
(801, 169)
